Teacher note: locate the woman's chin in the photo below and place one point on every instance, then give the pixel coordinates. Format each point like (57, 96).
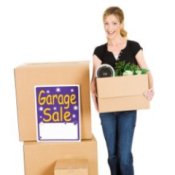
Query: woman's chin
(110, 37)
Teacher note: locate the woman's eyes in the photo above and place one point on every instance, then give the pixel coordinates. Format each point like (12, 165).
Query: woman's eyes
(113, 23)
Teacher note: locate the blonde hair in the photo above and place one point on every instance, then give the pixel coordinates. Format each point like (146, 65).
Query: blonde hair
(118, 13)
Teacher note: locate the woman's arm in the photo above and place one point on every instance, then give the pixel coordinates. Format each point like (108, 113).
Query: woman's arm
(96, 63)
(141, 62)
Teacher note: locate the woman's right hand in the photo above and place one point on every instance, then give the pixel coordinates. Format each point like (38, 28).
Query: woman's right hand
(149, 94)
(96, 62)
(94, 94)
(95, 102)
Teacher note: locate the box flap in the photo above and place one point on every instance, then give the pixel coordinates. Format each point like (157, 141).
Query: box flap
(52, 64)
(112, 87)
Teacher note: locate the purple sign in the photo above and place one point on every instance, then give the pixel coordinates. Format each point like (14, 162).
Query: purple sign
(58, 113)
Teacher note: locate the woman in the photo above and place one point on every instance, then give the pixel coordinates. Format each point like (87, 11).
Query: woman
(118, 127)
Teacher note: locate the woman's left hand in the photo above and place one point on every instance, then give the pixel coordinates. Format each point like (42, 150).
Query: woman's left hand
(149, 94)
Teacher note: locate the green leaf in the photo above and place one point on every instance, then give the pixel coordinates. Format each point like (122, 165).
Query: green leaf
(122, 66)
(144, 71)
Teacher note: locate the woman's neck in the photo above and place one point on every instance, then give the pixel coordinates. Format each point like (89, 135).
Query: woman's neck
(119, 40)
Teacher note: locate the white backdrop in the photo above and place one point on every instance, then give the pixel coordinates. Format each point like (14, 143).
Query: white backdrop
(53, 30)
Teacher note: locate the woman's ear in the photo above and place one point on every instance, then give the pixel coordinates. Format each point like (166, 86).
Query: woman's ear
(121, 25)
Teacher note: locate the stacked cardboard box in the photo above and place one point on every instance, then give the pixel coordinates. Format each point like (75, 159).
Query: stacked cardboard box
(79, 167)
(41, 158)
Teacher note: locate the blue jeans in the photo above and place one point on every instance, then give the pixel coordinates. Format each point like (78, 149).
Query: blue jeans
(118, 130)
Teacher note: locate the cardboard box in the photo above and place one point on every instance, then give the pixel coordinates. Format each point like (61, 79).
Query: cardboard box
(122, 93)
(30, 75)
(40, 158)
(71, 166)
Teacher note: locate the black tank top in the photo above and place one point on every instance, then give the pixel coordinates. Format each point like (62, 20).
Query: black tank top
(127, 54)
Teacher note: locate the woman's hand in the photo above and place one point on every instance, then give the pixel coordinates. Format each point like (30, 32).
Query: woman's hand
(95, 102)
(94, 96)
(96, 62)
(149, 94)
(141, 62)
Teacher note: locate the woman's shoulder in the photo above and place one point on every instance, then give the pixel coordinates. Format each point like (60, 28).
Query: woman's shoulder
(101, 47)
(133, 42)
(134, 46)
(100, 50)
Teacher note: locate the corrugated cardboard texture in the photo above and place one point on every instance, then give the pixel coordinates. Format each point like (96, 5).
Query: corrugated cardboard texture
(30, 75)
(122, 93)
(40, 158)
(71, 166)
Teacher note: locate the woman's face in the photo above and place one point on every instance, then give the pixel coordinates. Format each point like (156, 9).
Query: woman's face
(112, 26)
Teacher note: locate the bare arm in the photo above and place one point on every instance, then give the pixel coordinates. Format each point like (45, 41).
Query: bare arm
(141, 62)
(96, 63)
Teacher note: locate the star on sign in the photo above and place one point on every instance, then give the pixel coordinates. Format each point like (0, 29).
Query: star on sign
(41, 108)
(47, 91)
(54, 108)
(74, 116)
(75, 107)
(58, 89)
(72, 90)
